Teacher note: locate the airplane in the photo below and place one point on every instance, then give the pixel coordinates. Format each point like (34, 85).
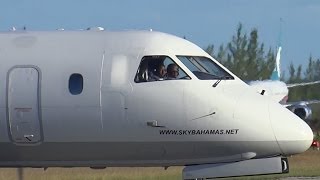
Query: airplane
(279, 90)
(83, 99)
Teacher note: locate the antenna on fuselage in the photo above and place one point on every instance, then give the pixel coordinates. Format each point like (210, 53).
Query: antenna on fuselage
(13, 28)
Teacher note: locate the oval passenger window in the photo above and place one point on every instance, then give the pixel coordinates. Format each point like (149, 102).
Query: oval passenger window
(76, 84)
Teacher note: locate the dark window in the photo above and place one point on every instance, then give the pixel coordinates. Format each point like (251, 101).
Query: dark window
(76, 84)
(204, 68)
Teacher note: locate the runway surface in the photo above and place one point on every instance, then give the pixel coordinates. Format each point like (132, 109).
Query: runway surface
(301, 178)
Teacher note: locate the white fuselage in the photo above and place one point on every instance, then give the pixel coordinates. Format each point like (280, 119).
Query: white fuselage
(276, 90)
(115, 121)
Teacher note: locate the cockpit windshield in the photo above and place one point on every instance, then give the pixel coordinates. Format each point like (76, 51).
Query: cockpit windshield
(204, 68)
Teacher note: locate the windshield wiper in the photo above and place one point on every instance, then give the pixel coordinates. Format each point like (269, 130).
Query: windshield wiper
(207, 76)
(221, 78)
(217, 82)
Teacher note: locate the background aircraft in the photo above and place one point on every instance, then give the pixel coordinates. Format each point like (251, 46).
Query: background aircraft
(278, 91)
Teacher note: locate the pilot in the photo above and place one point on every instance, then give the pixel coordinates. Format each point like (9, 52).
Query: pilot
(172, 71)
(158, 74)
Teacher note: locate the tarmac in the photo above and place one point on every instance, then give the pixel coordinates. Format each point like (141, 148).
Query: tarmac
(301, 178)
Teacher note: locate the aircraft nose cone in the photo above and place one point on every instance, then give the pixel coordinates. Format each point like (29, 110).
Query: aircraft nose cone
(294, 136)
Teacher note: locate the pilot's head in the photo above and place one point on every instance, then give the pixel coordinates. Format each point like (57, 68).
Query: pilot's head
(160, 71)
(172, 71)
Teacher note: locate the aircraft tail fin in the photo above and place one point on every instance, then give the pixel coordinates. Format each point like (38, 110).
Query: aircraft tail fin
(276, 74)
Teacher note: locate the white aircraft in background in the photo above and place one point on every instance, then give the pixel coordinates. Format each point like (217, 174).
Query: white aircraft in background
(84, 98)
(278, 91)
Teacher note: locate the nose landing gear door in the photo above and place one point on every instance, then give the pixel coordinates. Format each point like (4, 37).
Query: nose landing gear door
(23, 105)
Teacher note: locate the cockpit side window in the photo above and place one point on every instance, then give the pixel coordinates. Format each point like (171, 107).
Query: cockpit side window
(158, 68)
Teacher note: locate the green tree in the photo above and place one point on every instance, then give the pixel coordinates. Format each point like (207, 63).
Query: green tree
(237, 52)
(267, 65)
(245, 56)
(210, 50)
(309, 73)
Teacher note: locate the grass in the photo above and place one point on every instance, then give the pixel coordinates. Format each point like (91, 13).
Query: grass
(306, 164)
(90, 174)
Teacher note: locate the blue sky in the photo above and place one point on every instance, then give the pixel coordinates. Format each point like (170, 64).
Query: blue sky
(203, 22)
